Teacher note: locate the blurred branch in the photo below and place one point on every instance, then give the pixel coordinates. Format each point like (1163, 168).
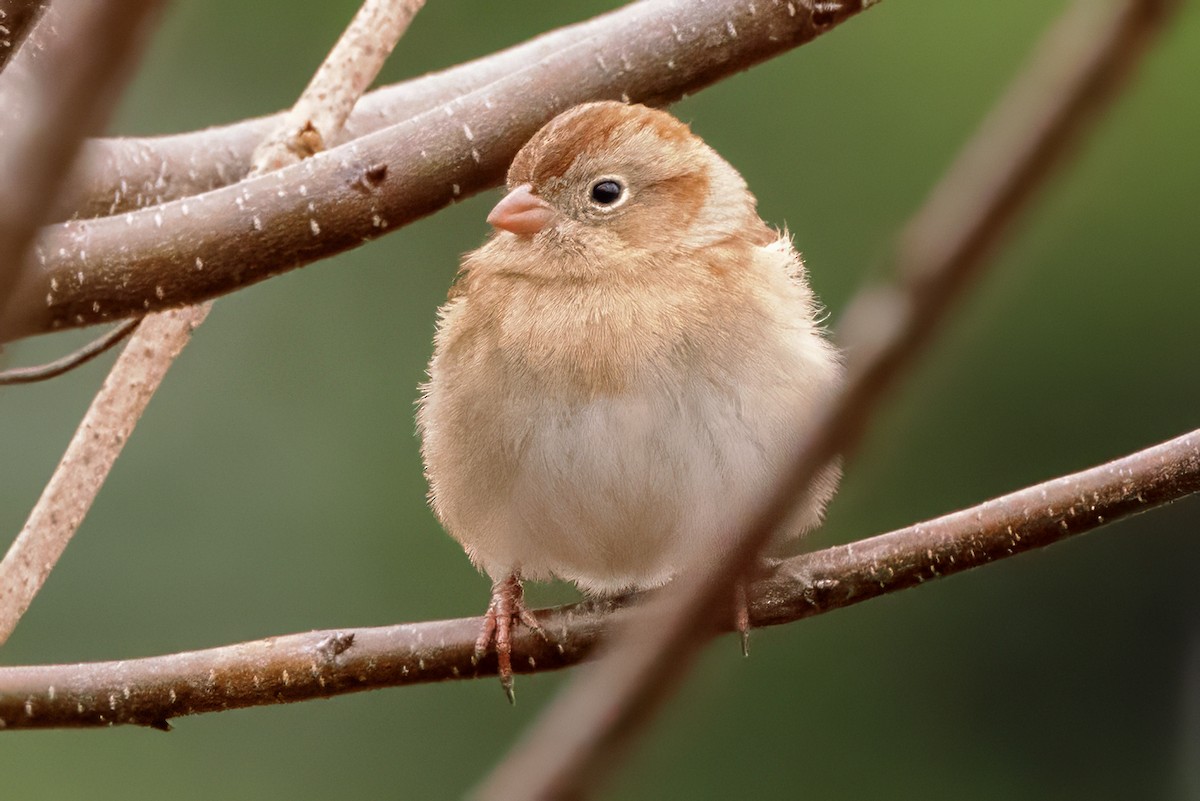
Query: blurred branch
(322, 664)
(16, 18)
(55, 90)
(354, 62)
(1075, 71)
(186, 251)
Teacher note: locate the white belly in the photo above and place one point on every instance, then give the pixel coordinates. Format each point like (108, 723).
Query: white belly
(620, 492)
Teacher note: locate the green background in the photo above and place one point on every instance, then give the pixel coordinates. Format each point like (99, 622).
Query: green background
(275, 484)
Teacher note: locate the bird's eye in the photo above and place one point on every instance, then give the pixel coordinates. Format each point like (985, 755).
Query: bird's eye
(607, 191)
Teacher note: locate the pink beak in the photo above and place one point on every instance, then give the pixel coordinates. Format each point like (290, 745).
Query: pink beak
(521, 212)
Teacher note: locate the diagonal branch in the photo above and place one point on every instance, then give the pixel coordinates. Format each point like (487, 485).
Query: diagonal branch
(186, 251)
(118, 175)
(354, 62)
(1077, 68)
(322, 664)
(89, 457)
(128, 173)
(57, 89)
(320, 114)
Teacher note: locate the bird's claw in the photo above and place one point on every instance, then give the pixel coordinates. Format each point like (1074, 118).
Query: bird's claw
(741, 614)
(506, 610)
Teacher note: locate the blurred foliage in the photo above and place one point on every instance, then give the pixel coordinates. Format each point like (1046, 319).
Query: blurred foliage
(275, 483)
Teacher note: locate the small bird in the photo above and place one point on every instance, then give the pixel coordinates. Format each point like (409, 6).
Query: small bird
(622, 370)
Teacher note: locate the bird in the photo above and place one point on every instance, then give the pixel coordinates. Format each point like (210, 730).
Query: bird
(621, 370)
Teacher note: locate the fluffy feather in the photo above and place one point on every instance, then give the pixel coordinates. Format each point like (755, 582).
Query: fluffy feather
(611, 393)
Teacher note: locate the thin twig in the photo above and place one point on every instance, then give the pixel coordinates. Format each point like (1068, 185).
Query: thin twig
(321, 112)
(159, 339)
(44, 372)
(190, 250)
(58, 88)
(322, 664)
(1078, 67)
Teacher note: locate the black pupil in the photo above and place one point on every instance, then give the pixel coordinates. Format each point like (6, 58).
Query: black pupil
(606, 192)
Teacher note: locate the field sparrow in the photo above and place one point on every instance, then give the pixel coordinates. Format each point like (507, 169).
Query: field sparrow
(621, 370)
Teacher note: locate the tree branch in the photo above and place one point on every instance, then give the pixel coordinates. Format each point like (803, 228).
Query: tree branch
(317, 119)
(57, 89)
(322, 664)
(125, 174)
(90, 456)
(183, 252)
(128, 173)
(354, 62)
(1075, 70)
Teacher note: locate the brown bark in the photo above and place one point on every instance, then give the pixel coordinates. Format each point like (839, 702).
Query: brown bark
(322, 664)
(90, 271)
(160, 337)
(57, 89)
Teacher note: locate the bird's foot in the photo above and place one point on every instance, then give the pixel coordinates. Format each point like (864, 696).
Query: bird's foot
(741, 614)
(504, 613)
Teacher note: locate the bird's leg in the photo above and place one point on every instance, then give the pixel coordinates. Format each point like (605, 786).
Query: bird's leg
(506, 610)
(741, 613)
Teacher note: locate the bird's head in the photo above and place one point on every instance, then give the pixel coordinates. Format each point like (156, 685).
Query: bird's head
(611, 180)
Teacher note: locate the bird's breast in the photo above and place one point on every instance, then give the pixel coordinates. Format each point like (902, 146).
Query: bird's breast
(591, 340)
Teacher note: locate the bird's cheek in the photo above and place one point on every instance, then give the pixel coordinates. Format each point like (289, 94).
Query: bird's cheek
(644, 232)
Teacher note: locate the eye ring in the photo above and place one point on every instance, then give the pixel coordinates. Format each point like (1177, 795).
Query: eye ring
(608, 192)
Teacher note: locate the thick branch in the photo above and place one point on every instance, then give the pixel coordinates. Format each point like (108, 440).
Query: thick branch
(189, 250)
(128, 173)
(567, 751)
(322, 664)
(124, 174)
